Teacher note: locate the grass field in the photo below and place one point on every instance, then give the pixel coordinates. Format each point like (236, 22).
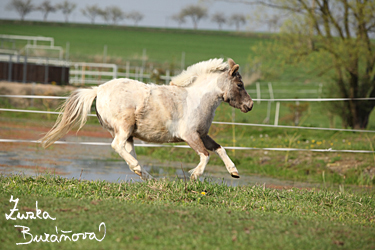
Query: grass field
(165, 45)
(128, 42)
(181, 214)
(178, 215)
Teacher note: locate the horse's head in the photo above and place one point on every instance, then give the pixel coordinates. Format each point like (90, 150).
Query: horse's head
(234, 89)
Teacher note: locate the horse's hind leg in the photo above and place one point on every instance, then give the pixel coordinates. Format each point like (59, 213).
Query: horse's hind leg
(124, 146)
(129, 146)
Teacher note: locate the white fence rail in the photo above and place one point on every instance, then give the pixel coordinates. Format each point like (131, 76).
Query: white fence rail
(184, 146)
(215, 122)
(329, 150)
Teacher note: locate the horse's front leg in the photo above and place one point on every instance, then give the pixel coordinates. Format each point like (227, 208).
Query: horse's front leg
(195, 142)
(211, 145)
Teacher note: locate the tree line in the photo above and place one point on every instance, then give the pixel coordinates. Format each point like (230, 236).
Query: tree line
(198, 12)
(114, 14)
(109, 14)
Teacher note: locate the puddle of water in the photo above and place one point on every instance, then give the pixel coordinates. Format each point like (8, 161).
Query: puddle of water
(88, 168)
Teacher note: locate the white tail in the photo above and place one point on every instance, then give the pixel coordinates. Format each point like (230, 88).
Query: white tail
(74, 110)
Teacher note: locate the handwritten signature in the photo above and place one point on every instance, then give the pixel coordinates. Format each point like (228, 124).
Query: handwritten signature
(39, 214)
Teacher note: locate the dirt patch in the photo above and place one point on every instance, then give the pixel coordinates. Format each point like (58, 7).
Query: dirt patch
(343, 166)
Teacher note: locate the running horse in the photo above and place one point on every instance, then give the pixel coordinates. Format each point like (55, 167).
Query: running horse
(179, 112)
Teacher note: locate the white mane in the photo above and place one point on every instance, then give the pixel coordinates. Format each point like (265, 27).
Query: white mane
(189, 75)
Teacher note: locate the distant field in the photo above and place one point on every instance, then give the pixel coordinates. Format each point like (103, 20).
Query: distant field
(162, 45)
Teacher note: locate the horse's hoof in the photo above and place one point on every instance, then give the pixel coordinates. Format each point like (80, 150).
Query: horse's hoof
(235, 175)
(193, 177)
(138, 173)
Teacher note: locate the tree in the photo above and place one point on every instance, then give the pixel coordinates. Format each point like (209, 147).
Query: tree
(135, 16)
(195, 12)
(219, 18)
(336, 36)
(67, 8)
(180, 19)
(22, 7)
(237, 20)
(46, 7)
(114, 14)
(91, 11)
(105, 15)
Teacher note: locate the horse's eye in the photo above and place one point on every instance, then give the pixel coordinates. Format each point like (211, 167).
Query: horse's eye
(240, 85)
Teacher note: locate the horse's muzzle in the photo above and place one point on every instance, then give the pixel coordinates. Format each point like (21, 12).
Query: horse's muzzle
(246, 107)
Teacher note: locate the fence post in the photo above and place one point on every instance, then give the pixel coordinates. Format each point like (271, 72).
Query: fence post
(10, 66)
(83, 74)
(167, 77)
(277, 114)
(24, 69)
(144, 55)
(258, 92)
(267, 119)
(115, 69)
(127, 69)
(141, 74)
(270, 90)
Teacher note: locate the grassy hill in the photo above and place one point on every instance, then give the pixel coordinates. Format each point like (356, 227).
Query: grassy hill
(162, 45)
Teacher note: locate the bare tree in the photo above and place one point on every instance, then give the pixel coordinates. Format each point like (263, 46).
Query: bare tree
(91, 11)
(67, 8)
(135, 16)
(180, 19)
(219, 18)
(195, 12)
(105, 15)
(46, 7)
(22, 7)
(115, 14)
(237, 20)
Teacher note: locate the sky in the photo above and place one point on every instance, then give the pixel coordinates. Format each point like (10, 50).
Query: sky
(157, 13)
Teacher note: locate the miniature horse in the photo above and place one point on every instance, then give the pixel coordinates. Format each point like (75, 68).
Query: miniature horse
(180, 112)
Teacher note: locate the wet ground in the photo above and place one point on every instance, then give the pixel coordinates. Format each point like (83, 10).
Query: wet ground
(96, 163)
(99, 162)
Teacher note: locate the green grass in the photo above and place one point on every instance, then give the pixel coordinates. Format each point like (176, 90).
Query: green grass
(162, 45)
(175, 215)
(166, 46)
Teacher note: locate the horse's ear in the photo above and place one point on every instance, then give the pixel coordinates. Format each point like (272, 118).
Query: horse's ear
(232, 66)
(231, 63)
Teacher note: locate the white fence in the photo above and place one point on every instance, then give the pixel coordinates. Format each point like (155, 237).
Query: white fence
(98, 73)
(93, 73)
(4, 140)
